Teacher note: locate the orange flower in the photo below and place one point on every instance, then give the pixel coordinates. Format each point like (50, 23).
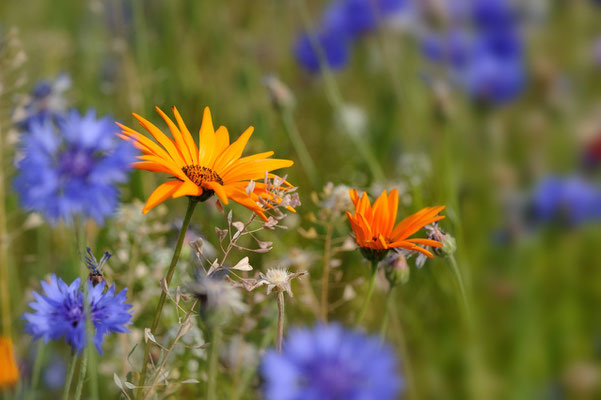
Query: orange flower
(214, 167)
(373, 225)
(9, 373)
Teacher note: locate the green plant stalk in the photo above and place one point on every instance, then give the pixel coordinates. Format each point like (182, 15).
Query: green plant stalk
(70, 374)
(370, 290)
(37, 367)
(333, 94)
(281, 310)
(386, 318)
(459, 278)
(82, 376)
(299, 145)
(157, 316)
(213, 360)
(80, 241)
(325, 277)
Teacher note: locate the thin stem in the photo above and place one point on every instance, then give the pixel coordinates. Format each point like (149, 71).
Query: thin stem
(459, 278)
(299, 145)
(70, 374)
(280, 336)
(213, 359)
(157, 316)
(370, 290)
(386, 318)
(80, 240)
(37, 367)
(82, 376)
(325, 277)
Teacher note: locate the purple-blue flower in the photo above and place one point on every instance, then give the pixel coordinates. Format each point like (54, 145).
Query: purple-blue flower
(330, 362)
(60, 313)
(334, 47)
(71, 168)
(572, 200)
(483, 53)
(342, 22)
(46, 100)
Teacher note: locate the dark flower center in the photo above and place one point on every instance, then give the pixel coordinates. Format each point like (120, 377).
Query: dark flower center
(76, 162)
(200, 175)
(334, 381)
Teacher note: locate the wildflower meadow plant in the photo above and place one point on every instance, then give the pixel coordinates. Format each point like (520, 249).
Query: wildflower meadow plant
(211, 167)
(70, 169)
(376, 234)
(60, 312)
(330, 362)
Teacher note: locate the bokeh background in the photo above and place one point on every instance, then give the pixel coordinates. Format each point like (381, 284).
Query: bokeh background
(496, 114)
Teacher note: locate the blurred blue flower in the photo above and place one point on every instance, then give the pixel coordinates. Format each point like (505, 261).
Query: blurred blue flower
(71, 168)
(493, 14)
(60, 313)
(46, 100)
(572, 200)
(329, 362)
(484, 54)
(335, 48)
(342, 22)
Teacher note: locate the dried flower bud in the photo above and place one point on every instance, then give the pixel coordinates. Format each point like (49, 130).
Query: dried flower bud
(396, 268)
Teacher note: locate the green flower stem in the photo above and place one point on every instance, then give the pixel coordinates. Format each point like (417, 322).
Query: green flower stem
(80, 240)
(213, 359)
(82, 376)
(280, 335)
(370, 290)
(459, 278)
(37, 367)
(325, 277)
(157, 316)
(70, 374)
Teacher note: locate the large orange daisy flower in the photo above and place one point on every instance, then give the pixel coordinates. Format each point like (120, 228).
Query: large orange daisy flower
(213, 167)
(374, 228)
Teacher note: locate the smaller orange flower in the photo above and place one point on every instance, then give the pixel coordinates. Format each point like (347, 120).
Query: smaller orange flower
(374, 228)
(9, 373)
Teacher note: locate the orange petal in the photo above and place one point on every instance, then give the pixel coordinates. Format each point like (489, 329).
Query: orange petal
(187, 135)
(160, 194)
(177, 135)
(160, 137)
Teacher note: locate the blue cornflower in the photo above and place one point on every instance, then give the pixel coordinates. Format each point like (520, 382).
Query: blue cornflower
(343, 21)
(335, 48)
(70, 168)
(61, 313)
(483, 53)
(46, 100)
(329, 362)
(572, 200)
